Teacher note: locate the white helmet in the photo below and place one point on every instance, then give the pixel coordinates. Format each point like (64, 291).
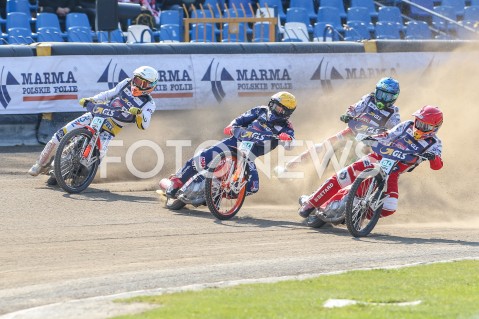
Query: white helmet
(144, 80)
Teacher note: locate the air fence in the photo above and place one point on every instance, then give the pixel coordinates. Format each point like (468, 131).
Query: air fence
(42, 83)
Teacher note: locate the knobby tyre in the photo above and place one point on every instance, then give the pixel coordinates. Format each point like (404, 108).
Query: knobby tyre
(366, 192)
(222, 201)
(71, 175)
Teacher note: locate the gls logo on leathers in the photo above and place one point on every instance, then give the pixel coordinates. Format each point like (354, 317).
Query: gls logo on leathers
(392, 152)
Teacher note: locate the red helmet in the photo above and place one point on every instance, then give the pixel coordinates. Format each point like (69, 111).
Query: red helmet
(428, 121)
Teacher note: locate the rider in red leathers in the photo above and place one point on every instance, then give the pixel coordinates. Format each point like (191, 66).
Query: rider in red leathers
(132, 93)
(418, 136)
(377, 107)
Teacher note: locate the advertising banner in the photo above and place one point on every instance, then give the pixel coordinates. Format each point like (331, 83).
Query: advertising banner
(46, 84)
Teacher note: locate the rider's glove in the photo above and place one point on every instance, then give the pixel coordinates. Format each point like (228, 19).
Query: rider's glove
(345, 118)
(134, 110)
(284, 137)
(429, 156)
(228, 130)
(83, 101)
(368, 140)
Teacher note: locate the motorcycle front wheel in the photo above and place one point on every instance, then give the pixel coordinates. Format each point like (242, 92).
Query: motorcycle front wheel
(222, 201)
(364, 203)
(71, 175)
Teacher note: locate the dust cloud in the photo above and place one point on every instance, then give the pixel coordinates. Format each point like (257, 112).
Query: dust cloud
(425, 195)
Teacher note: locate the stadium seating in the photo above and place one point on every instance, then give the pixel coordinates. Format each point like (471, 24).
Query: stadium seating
(295, 32)
(79, 34)
(261, 32)
(357, 31)
(274, 4)
(170, 33)
(238, 13)
(360, 14)
(368, 4)
(306, 4)
(392, 15)
(50, 22)
(418, 30)
(330, 15)
(297, 14)
(202, 32)
(338, 4)
(171, 17)
(442, 24)
(116, 36)
(387, 31)
(420, 14)
(243, 6)
(217, 6)
(48, 34)
(458, 6)
(471, 13)
(19, 36)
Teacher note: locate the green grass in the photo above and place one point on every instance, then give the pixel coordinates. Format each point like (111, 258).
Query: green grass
(447, 290)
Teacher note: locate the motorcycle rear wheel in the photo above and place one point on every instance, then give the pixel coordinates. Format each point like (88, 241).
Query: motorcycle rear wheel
(223, 203)
(72, 176)
(365, 192)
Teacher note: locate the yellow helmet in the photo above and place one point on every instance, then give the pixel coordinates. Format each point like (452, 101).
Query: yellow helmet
(282, 104)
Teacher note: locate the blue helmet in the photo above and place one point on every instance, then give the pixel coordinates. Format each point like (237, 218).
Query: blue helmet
(387, 91)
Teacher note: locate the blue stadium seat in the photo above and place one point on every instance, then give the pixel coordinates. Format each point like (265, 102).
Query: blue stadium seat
(442, 24)
(202, 32)
(458, 6)
(76, 19)
(357, 31)
(330, 15)
(474, 2)
(18, 20)
(79, 34)
(297, 14)
(471, 13)
(391, 14)
(420, 14)
(198, 13)
(116, 36)
(418, 30)
(272, 4)
(48, 34)
(234, 32)
(49, 21)
(387, 31)
(170, 33)
(360, 14)
(19, 6)
(368, 4)
(19, 36)
(171, 17)
(338, 4)
(237, 13)
(261, 32)
(306, 4)
(465, 34)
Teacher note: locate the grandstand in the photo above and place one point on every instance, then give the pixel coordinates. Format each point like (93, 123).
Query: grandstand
(260, 21)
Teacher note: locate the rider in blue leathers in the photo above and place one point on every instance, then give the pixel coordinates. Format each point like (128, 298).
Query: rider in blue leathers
(273, 117)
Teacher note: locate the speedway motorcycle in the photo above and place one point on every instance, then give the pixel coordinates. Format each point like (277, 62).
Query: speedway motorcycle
(222, 186)
(359, 206)
(362, 124)
(78, 155)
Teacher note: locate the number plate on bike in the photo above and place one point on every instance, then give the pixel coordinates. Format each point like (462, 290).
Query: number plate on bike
(246, 146)
(97, 123)
(387, 165)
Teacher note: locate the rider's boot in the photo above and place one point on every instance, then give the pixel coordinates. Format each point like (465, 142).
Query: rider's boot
(306, 207)
(176, 184)
(43, 164)
(52, 180)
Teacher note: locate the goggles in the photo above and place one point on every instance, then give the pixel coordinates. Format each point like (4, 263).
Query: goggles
(424, 127)
(142, 84)
(280, 109)
(384, 96)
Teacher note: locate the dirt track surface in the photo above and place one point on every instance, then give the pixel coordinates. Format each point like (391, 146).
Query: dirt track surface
(117, 237)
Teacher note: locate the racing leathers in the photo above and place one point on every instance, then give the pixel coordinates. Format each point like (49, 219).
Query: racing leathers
(119, 97)
(401, 136)
(256, 116)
